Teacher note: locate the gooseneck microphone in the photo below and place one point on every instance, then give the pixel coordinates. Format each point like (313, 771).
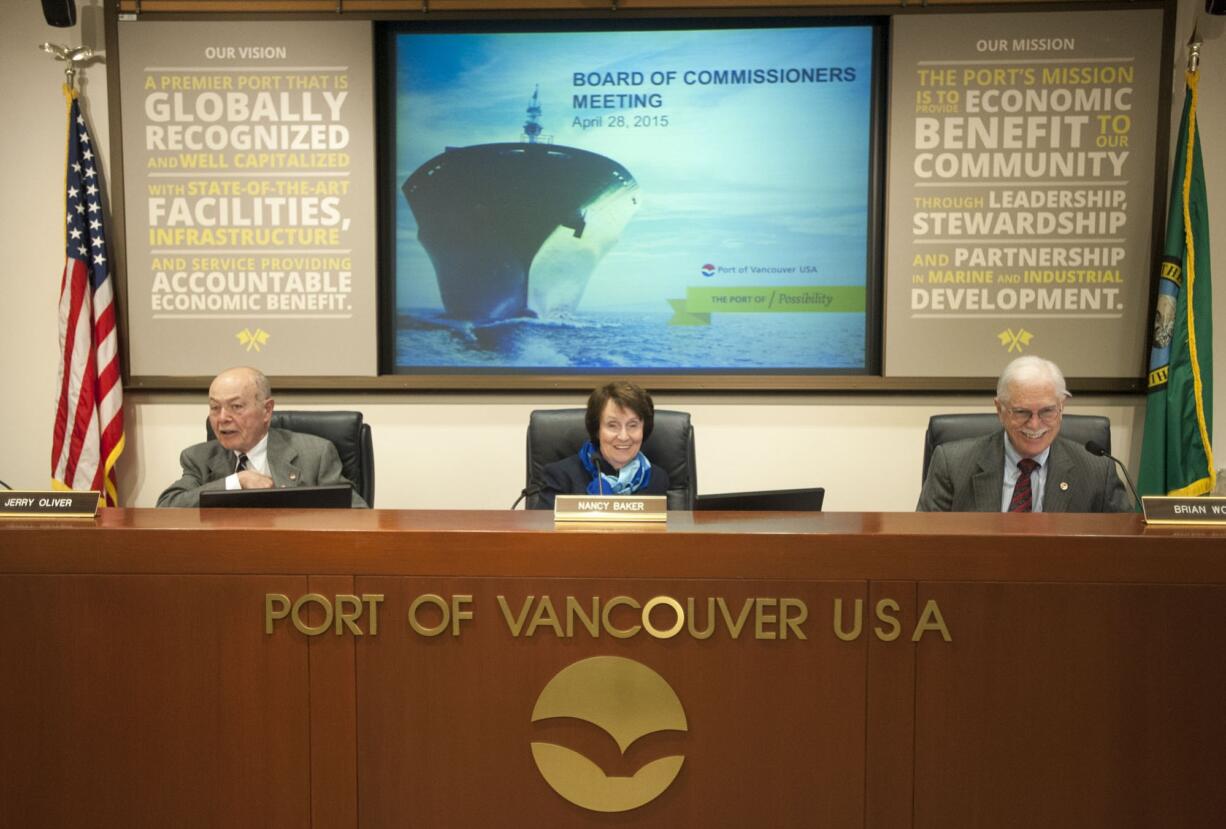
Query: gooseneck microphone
(594, 457)
(1094, 449)
(6, 486)
(530, 489)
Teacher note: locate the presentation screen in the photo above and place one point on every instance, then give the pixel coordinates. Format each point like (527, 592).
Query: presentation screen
(673, 198)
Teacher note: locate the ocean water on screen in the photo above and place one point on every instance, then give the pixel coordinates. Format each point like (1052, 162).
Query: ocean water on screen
(625, 341)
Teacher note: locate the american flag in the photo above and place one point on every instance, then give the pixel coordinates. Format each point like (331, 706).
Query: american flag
(88, 436)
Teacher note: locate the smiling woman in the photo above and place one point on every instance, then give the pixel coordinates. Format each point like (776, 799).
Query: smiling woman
(619, 417)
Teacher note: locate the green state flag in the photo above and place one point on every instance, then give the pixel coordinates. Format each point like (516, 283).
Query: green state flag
(1177, 455)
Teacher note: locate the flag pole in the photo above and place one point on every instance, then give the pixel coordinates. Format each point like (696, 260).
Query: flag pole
(87, 435)
(1176, 452)
(1193, 85)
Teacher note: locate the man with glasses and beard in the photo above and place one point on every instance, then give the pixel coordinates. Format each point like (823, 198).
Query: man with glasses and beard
(1027, 466)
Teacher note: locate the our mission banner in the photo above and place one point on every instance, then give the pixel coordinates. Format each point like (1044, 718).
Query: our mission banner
(1021, 191)
(248, 154)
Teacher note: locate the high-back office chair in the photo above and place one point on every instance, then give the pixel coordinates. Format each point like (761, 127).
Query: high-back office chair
(350, 436)
(554, 434)
(943, 428)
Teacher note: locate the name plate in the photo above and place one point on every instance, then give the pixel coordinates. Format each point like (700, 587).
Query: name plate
(1162, 509)
(652, 508)
(20, 503)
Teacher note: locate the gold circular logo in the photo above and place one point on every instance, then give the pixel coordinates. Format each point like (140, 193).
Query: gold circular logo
(628, 701)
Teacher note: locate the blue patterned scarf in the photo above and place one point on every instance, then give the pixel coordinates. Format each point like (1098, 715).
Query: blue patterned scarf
(630, 478)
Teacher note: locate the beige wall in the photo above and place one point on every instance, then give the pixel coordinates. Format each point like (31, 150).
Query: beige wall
(455, 451)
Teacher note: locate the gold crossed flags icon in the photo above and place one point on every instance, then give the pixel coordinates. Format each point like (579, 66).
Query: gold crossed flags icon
(1015, 342)
(252, 341)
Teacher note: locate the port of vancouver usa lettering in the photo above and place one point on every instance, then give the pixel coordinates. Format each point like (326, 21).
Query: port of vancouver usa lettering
(618, 617)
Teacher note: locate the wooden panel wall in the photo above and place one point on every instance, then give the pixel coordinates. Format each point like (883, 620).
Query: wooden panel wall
(1081, 686)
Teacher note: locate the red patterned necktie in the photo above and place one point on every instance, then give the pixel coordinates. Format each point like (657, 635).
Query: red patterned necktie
(1023, 495)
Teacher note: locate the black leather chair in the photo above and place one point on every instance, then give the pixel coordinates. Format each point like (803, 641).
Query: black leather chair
(347, 432)
(943, 428)
(554, 434)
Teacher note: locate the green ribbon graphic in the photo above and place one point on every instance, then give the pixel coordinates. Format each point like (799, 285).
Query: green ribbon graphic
(701, 302)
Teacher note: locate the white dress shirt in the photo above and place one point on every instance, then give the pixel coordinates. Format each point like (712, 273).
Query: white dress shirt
(257, 459)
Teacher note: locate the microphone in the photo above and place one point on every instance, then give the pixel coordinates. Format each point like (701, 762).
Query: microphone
(531, 489)
(594, 457)
(1094, 449)
(6, 486)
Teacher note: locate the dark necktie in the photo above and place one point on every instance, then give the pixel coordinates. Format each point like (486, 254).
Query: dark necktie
(242, 464)
(1023, 495)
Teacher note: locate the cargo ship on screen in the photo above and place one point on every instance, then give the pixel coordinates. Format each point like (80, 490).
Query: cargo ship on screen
(515, 229)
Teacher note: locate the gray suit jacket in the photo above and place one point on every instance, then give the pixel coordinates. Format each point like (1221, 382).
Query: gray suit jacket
(968, 476)
(294, 459)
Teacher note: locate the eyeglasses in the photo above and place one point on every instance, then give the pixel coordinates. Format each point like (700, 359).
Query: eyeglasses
(1046, 415)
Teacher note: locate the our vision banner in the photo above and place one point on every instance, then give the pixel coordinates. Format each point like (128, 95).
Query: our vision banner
(248, 155)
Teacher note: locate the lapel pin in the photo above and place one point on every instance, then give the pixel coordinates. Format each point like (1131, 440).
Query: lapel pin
(293, 476)
(1064, 486)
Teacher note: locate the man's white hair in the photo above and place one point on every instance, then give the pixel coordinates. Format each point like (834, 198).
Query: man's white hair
(1027, 369)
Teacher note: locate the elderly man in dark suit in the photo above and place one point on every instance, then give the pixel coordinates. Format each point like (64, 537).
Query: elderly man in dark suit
(247, 454)
(1027, 466)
